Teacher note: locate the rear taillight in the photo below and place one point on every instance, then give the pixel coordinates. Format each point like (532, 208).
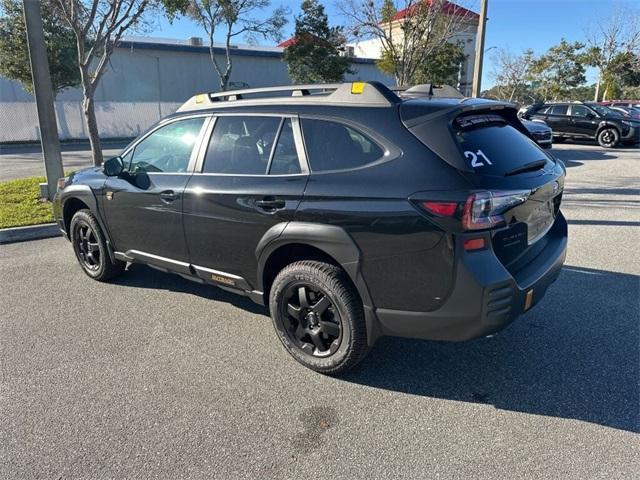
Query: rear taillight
(443, 209)
(479, 211)
(485, 209)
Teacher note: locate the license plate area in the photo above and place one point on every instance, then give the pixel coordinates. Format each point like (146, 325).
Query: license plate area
(540, 221)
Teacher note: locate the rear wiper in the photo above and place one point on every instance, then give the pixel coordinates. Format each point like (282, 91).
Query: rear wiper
(529, 167)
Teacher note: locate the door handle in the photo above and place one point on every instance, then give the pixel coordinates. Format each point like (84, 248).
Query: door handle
(270, 204)
(168, 196)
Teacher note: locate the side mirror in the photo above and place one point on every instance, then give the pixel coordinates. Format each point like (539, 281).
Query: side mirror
(113, 167)
(590, 116)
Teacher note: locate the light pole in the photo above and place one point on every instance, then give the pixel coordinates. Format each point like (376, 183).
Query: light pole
(43, 92)
(477, 68)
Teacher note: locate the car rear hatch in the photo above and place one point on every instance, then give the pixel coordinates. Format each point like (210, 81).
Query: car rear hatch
(515, 187)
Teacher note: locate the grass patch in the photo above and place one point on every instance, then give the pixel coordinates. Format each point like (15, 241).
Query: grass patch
(20, 203)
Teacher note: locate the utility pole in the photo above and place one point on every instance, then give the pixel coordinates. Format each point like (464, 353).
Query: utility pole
(43, 92)
(477, 68)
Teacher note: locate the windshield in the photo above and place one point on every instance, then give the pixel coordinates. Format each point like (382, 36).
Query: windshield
(603, 110)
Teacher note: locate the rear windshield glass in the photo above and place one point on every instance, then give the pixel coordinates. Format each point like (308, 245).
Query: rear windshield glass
(493, 147)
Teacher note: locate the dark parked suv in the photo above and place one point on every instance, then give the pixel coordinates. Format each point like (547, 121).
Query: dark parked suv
(347, 211)
(578, 120)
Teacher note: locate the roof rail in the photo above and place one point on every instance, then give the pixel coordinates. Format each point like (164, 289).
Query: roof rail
(369, 94)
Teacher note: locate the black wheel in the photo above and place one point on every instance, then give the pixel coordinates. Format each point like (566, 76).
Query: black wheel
(608, 137)
(91, 249)
(318, 316)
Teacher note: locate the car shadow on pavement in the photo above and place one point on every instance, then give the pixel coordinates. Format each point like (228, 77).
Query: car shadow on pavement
(577, 157)
(142, 276)
(576, 355)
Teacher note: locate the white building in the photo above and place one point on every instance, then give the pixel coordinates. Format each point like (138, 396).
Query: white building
(466, 35)
(146, 80)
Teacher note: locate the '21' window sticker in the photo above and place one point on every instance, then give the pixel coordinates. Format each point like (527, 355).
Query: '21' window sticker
(477, 159)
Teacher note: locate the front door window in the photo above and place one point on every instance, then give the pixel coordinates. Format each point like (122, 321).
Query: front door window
(168, 149)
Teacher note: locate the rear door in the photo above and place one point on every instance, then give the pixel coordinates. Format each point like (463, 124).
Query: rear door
(558, 119)
(251, 177)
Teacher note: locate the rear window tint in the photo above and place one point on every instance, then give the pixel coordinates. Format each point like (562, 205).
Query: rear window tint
(493, 147)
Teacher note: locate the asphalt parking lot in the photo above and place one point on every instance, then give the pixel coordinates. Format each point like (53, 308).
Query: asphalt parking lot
(154, 376)
(20, 161)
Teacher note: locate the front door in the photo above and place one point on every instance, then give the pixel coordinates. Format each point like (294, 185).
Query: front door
(143, 207)
(584, 121)
(251, 179)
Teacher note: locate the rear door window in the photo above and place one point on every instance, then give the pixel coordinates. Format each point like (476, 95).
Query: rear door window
(241, 145)
(491, 146)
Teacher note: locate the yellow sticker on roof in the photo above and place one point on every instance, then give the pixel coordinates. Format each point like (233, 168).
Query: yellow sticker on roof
(357, 87)
(200, 98)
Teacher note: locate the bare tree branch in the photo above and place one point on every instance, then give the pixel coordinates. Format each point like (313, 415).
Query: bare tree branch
(408, 31)
(240, 18)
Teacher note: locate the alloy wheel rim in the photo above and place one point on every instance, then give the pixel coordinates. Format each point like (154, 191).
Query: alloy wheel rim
(311, 320)
(87, 246)
(607, 137)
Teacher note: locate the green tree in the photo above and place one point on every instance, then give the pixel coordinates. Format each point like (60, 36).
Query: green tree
(442, 66)
(613, 41)
(14, 52)
(317, 54)
(560, 69)
(623, 71)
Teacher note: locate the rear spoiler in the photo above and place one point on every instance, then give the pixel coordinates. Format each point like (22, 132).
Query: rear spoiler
(431, 121)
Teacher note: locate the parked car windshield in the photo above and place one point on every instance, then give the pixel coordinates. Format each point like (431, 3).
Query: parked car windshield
(604, 110)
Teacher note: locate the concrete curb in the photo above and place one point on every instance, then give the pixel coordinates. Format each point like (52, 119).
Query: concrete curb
(32, 232)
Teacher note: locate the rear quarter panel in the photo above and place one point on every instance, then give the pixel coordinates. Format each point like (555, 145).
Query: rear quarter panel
(407, 262)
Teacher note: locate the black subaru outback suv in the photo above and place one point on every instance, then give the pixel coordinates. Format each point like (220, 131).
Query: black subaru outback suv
(578, 120)
(347, 211)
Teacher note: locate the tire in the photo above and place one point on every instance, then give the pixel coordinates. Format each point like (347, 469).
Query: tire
(323, 326)
(90, 248)
(608, 137)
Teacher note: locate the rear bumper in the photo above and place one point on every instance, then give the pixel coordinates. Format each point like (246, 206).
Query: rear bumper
(544, 141)
(486, 297)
